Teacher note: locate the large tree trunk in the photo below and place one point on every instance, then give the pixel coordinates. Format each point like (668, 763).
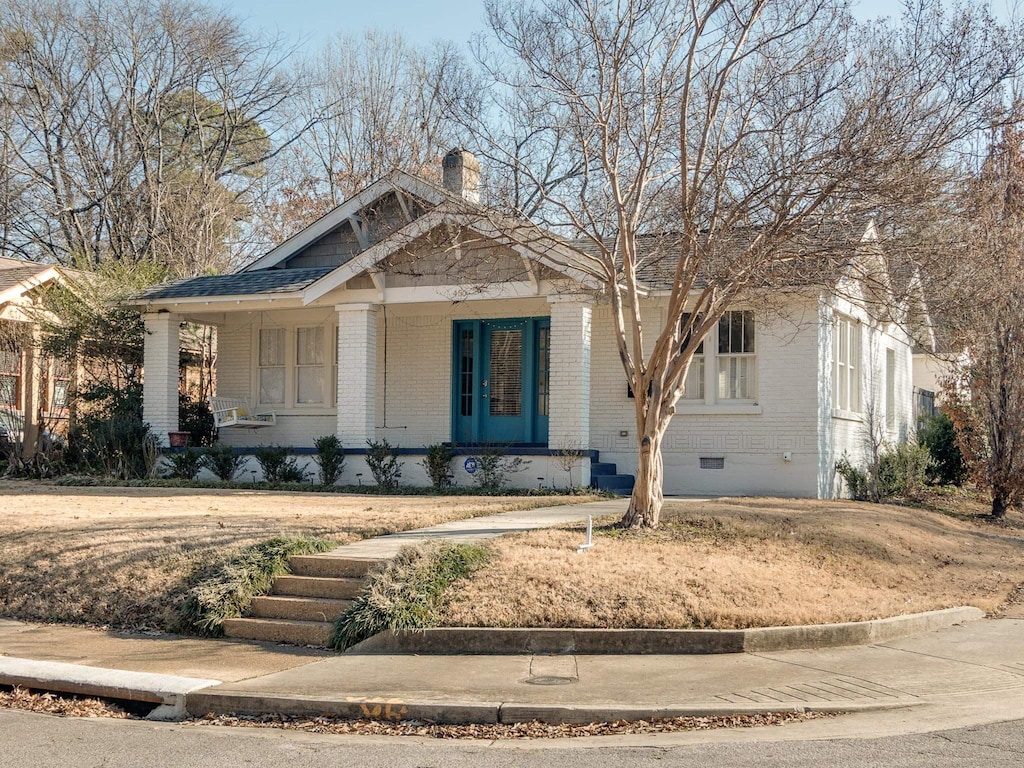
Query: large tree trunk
(645, 504)
(999, 504)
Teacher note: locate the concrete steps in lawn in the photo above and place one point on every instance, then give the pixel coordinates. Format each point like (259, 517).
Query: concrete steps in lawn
(303, 606)
(279, 630)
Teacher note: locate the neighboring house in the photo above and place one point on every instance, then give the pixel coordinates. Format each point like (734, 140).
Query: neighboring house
(410, 315)
(33, 388)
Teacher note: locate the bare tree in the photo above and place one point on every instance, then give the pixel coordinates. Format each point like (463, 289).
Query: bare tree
(134, 130)
(373, 104)
(742, 129)
(985, 395)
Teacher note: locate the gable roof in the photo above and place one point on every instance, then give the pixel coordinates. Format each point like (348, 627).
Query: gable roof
(397, 181)
(17, 277)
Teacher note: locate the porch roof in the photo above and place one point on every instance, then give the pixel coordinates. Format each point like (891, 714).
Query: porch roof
(239, 284)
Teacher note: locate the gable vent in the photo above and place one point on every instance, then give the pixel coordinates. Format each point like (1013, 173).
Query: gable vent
(712, 462)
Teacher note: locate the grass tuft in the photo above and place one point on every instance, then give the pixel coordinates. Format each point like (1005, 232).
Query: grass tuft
(230, 591)
(408, 592)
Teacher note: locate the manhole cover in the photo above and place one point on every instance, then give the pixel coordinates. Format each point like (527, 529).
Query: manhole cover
(550, 680)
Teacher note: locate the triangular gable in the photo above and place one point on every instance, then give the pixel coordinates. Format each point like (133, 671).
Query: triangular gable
(27, 278)
(527, 240)
(398, 181)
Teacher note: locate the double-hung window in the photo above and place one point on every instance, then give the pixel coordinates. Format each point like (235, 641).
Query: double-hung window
(693, 387)
(309, 365)
(846, 352)
(272, 365)
(737, 365)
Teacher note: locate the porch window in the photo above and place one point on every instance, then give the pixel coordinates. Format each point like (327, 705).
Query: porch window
(737, 364)
(846, 351)
(309, 365)
(272, 365)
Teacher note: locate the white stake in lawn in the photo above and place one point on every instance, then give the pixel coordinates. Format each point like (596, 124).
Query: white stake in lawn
(590, 536)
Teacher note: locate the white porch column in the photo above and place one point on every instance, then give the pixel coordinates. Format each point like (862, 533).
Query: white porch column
(160, 374)
(357, 373)
(569, 405)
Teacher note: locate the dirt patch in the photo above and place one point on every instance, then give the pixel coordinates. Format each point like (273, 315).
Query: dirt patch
(124, 557)
(735, 563)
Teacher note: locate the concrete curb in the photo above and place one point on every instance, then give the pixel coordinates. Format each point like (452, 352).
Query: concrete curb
(596, 642)
(209, 702)
(167, 691)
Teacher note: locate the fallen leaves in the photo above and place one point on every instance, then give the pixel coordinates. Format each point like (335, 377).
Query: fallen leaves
(492, 732)
(51, 704)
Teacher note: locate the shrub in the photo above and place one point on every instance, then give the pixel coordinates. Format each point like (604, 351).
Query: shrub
(278, 465)
(494, 468)
(196, 418)
(330, 458)
(111, 437)
(408, 593)
(901, 471)
(228, 593)
(438, 462)
(186, 464)
(856, 479)
(382, 459)
(938, 435)
(223, 462)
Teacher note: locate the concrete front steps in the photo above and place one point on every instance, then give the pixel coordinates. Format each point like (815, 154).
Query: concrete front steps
(604, 476)
(304, 605)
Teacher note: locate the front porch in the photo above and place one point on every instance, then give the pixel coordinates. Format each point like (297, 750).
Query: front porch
(497, 374)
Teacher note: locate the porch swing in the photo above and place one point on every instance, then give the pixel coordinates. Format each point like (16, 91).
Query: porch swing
(235, 412)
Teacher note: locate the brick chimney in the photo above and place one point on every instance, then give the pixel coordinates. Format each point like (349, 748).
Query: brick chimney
(461, 174)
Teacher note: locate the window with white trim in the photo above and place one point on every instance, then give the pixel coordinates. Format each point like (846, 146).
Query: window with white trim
(737, 364)
(693, 388)
(272, 365)
(309, 365)
(846, 353)
(890, 389)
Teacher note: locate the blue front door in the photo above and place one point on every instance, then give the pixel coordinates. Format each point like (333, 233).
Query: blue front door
(501, 380)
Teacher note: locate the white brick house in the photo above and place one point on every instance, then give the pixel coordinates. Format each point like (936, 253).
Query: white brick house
(404, 315)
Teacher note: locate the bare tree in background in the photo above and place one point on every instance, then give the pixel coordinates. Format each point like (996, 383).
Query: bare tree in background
(743, 129)
(985, 239)
(135, 130)
(374, 104)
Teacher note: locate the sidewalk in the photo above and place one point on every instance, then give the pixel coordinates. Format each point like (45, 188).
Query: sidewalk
(981, 658)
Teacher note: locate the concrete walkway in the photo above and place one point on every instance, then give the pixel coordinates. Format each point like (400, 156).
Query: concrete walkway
(480, 528)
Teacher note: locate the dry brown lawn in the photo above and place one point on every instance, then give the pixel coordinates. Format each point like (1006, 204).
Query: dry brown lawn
(124, 557)
(735, 563)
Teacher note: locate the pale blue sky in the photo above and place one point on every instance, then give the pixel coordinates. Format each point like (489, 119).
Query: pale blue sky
(419, 21)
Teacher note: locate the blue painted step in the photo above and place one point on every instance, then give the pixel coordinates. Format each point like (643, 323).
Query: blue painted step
(620, 484)
(604, 476)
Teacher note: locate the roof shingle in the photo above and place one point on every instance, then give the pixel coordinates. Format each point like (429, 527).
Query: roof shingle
(238, 284)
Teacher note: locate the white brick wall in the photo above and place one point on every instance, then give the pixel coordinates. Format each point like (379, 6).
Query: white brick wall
(792, 413)
(570, 371)
(851, 433)
(160, 382)
(752, 439)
